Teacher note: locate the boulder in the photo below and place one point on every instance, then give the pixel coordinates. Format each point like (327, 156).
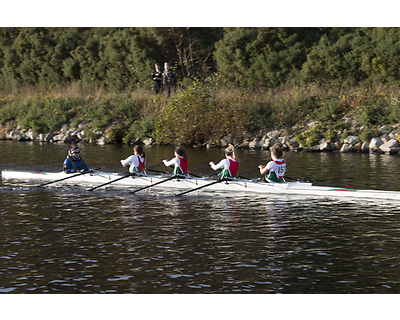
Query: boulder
(226, 140)
(46, 137)
(62, 138)
(315, 148)
(383, 130)
(284, 141)
(375, 143)
(255, 144)
(102, 141)
(293, 144)
(351, 140)
(346, 148)
(357, 147)
(337, 145)
(243, 145)
(81, 135)
(394, 135)
(390, 147)
(268, 143)
(13, 135)
(325, 146)
(273, 134)
(385, 138)
(148, 141)
(364, 147)
(30, 136)
(58, 137)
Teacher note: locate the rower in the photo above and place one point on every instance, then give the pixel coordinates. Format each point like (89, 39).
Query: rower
(180, 162)
(275, 169)
(136, 162)
(229, 165)
(74, 162)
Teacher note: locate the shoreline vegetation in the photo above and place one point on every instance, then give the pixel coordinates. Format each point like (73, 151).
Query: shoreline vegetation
(308, 118)
(310, 89)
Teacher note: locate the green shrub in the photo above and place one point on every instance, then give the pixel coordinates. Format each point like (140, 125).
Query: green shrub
(367, 135)
(311, 136)
(142, 129)
(195, 116)
(10, 111)
(373, 113)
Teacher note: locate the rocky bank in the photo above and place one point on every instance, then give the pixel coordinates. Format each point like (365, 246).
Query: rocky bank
(386, 141)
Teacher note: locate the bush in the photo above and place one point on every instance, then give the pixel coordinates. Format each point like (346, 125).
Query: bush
(195, 116)
(367, 135)
(142, 129)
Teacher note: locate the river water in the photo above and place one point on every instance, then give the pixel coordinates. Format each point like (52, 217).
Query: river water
(68, 240)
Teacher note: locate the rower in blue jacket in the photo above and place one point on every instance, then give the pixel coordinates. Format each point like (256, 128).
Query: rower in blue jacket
(74, 162)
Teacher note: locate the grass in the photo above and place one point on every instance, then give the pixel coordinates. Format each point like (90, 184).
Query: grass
(127, 115)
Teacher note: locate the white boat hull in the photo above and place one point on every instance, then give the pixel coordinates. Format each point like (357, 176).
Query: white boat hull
(236, 185)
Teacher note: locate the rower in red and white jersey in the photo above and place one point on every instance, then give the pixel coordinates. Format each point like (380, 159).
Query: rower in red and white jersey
(275, 169)
(180, 162)
(137, 161)
(229, 165)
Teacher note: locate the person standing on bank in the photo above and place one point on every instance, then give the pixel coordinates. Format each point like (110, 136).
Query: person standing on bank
(275, 169)
(157, 77)
(137, 161)
(74, 162)
(229, 165)
(168, 78)
(180, 162)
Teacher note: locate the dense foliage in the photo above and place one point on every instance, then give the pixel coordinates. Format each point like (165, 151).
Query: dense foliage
(122, 58)
(118, 58)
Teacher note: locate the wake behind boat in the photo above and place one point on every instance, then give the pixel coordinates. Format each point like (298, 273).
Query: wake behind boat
(193, 183)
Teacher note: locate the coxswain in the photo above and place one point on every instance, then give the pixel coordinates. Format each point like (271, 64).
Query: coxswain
(74, 162)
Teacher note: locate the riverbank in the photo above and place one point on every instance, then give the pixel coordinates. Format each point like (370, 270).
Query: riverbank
(306, 118)
(386, 140)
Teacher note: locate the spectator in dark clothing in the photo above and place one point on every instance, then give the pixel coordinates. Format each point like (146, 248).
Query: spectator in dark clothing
(157, 77)
(168, 79)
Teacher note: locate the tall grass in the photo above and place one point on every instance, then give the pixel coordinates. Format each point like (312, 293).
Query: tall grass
(196, 113)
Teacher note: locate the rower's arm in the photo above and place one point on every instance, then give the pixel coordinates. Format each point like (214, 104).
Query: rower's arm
(263, 169)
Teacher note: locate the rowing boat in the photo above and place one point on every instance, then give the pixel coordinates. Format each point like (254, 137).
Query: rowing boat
(235, 185)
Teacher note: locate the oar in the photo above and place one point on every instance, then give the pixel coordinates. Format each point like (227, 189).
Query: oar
(75, 175)
(239, 174)
(154, 184)
(154, 165)
(69, 177)
(199, 168)
(214, 182)
(123, 177)
(109, 182)
(109, 165)
(206, 185)
(158, 171)
(189, 171)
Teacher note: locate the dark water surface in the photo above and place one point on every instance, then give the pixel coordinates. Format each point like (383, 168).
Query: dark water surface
(68, 240)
